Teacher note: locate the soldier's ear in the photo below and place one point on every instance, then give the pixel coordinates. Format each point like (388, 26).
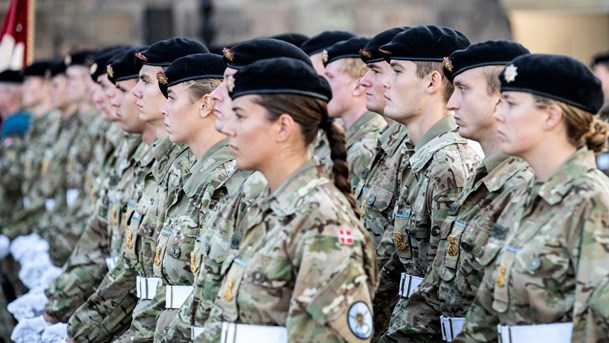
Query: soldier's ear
(554, 117)
(285, 128)
(207, 104)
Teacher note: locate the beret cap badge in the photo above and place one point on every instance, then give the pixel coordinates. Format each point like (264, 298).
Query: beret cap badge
(141, 56)
(365, 53)
(230, 83)
(162, 78)
(67, 60)
(228, 54)
(110, 71)
(448, 64)
(324, 56)
(510, 73)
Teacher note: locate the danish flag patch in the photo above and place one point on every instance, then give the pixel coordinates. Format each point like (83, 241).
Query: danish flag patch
(345, 236)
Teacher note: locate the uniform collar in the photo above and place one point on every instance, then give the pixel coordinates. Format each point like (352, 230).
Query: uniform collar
(286, 199)
(213, 157)
(565, 177)
(499, 168)
(437, 137)
(359, 123)
(392, 138)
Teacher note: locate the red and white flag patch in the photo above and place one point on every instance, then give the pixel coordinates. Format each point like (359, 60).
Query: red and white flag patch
(345, 236)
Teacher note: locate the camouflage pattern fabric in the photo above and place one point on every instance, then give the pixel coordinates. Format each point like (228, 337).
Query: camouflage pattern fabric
(362, 137)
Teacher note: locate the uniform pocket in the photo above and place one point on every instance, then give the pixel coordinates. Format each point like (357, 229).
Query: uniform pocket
(378, 198)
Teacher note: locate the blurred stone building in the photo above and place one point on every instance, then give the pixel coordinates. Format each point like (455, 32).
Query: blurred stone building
(575, 27)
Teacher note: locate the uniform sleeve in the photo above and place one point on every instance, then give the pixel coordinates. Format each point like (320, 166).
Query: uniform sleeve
(591, 308)
(81, 274)
(107, 312)
(332, 296)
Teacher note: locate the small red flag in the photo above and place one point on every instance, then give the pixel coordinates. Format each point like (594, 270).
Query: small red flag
(345, 236)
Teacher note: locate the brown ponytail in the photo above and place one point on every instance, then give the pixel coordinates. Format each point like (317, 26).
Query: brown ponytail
(582, 127)
(311, 114)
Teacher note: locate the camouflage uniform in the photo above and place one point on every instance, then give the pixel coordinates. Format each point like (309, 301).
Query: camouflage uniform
(450, 286)
(376, 198)
(361, 141)
(547, 256)
(87, 265)
(216, 240)
(321, 150)
(175, 259)
(162, 186)
(439, 166)
(304, 262)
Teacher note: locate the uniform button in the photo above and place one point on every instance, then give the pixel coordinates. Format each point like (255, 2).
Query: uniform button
(175, 251)
(371, 198)
(534, 264)
(258, 277)
(148, 229)
(466, 246)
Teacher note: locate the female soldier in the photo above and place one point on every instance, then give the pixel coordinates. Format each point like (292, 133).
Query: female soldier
(545, 256)
(305, 268)
(189, 119)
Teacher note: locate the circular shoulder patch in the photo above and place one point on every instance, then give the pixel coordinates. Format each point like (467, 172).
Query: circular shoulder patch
(359, 319)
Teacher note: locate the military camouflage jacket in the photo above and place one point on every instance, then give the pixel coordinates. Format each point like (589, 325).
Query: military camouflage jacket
(362, 137)
(450, 286)
(547, 256)
(304, 262)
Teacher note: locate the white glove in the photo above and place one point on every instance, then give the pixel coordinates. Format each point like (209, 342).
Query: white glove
(50, 274)
(29, 305)
(28, 247)
(55, 333)
(29, 330)
(5, 243)
(32, 270)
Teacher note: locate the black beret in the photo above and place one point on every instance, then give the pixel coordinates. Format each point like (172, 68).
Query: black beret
(280, 75)
(123, 66)
(558, 77)
(102, 58)
(162, 53)
(250, 51)
(58, 68)
(11, 76)
(191, 67)
(424, 43)
(370, 53)
(599, 58)
(291, 37)
(39, 68)
(489, 53)
(324, 40)
(349, 48)
(80, 58)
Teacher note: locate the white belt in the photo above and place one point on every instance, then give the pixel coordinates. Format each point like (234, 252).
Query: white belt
(146, 287)
(49, 204)
(451, 327)
(244, 333)
(176, 295)
(111, 262)
(26, 201)
(541, 333)
(71, 196)
(408, 284)
(195, 331)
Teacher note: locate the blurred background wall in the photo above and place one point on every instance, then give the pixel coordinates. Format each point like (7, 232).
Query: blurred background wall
(578, 28)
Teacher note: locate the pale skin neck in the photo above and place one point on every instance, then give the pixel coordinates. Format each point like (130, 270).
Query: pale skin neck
(548, 156)
(149, 135)
(9, 109)
(69, 110)
(205, 139)
(435, 110)
(42, 108)
(289, 160)
(159, 128)
(489, 143)
(354, 113)
(84, 107)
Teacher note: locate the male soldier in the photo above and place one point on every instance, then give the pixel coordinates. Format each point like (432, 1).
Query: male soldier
(447, 291)
(600, 68)
(315, 46)
(161, 186)
(243, 188)
(344, 68)
(382, 177)
(14, 127)
(416, 94)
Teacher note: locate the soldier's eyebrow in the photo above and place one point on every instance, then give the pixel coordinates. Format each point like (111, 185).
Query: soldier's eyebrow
(237, 109)
(396, 65)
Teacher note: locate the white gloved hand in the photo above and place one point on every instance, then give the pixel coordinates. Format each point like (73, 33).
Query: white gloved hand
(28, 247)
(56, 333)
(5, 244)
(50, 274)
(32, 270)
(29, 330)
(29, 305)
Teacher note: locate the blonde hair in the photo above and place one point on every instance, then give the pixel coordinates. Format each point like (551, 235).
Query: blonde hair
(583, 128)
(200, 88)
(354, 67)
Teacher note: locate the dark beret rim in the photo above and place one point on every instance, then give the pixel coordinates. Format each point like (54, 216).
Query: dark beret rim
(235, 95)
(548, 95)
(340, 57)
(388, 58)
(318, 51)
(155, 64)
(478, 65)
(374, 60)
(126, 77)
